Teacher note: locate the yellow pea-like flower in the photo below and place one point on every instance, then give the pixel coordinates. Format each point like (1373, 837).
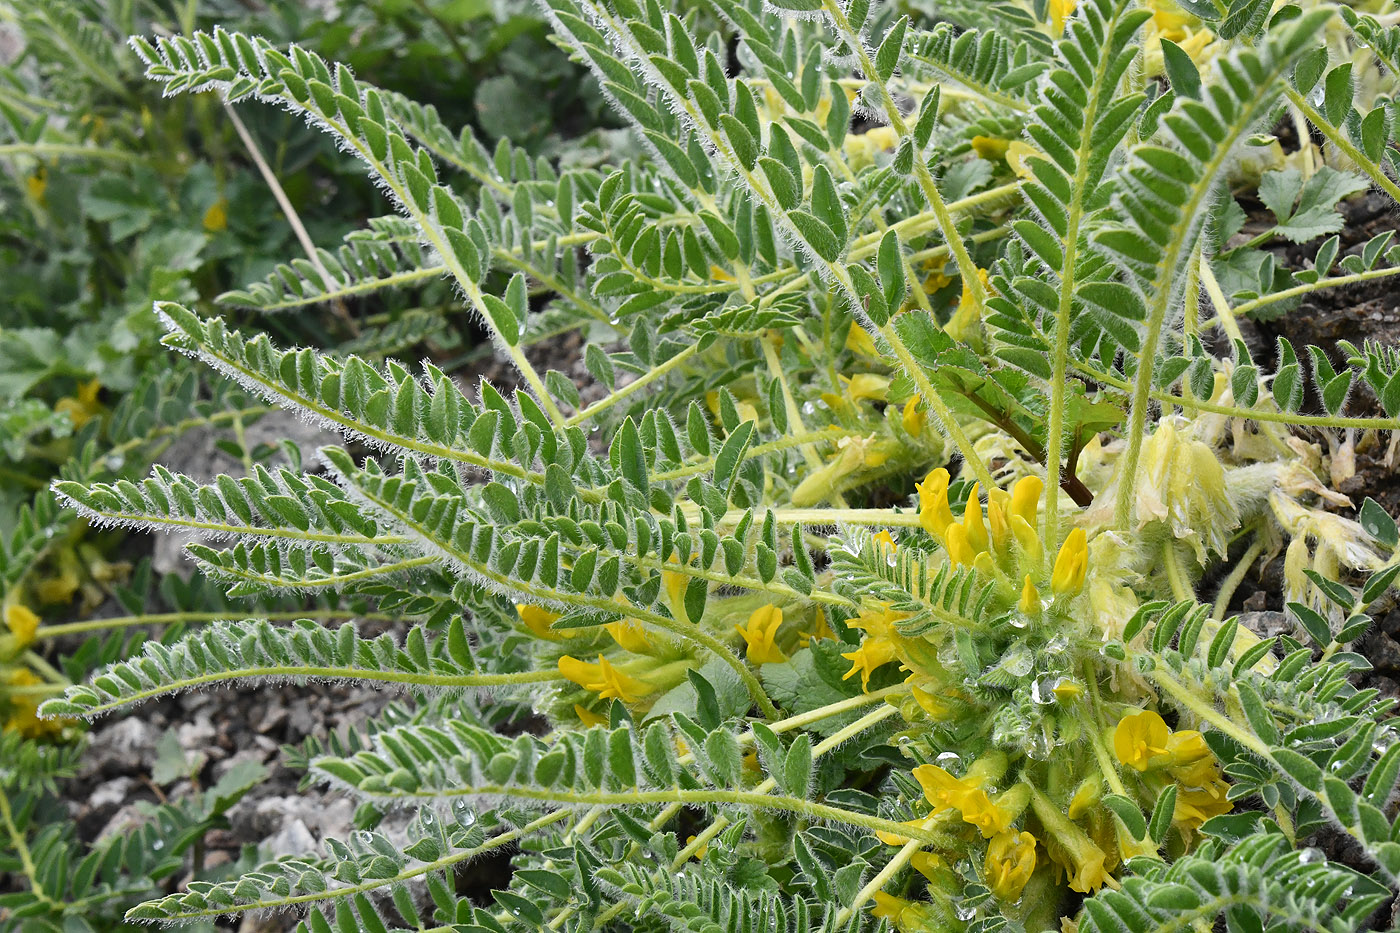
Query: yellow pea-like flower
(1067, 579)
(538, 620)
(588, 717)
(934, 513)
(759, 634)
(960, 551)
(974, 524)
(1030, 598)
(630, 635)
(1140, 739)
(912, 418)
(1025, 498)
(22, 623)
(604, 679)
(1026, 536)
(1010, 862)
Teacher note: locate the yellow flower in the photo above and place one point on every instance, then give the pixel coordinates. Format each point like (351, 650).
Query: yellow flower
(1016, 155)
(822, 629)
(894, 839)
(928, 865)
(979, 810)
(887, 906)
(24, 708)
(871, 654)
(1030, 598)
(37, 184)
(746, 410)
(760, 632)
(1140, 738)
(878, 646)
(538, 620)
(675, 585)
(216, 218)
(1086, 796)
(630, 635)
(22, 623)
(943, 792)
(858, 340)
(700, 852)
(1067, 690)
(941, 789)
(973, 523)
(934, 513)
(883, 538)
(1010, 862)
(1026, 537)
(960, 550)
(999, 530)
(1025, 499)
(966, 322)
(84, 406)
(1188, 746)
(1060, 11)
(912, 418)
(1067, 579)
(937, 705)
(603, 679)
(866, 386)
(588, 717)
(1195, 805)
(989, 147)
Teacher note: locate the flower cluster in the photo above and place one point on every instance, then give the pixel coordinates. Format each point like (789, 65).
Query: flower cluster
(1143, 741)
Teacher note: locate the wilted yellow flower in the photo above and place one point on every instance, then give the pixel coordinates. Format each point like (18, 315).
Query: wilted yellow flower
(760, 632)
(1067, 579)
(22, 623)
(1010, 862)
(966, 322)
(1187, 746)
(1140, 738)
(603, 679)
(83, 407)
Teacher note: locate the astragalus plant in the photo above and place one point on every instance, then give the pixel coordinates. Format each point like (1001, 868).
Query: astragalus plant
(882, 575)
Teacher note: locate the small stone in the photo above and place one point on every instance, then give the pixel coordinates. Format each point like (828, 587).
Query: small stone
(292, 839)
